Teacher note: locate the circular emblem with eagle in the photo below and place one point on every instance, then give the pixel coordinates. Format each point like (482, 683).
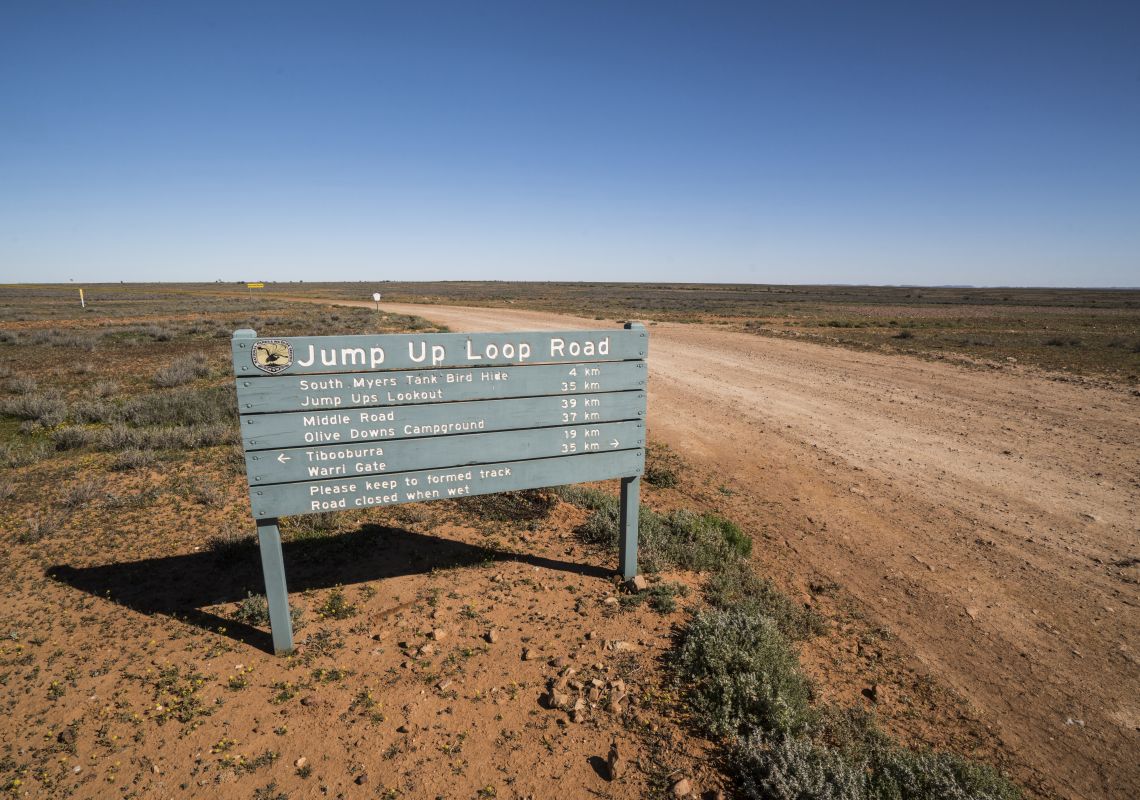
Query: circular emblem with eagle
(272, 355)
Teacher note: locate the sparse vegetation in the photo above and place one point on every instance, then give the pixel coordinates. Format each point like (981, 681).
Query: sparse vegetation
(182, 371)
(336, 606)
(681, 539)
(741, 676)
(136, 448)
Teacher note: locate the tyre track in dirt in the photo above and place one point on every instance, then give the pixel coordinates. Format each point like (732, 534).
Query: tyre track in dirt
(988, 517)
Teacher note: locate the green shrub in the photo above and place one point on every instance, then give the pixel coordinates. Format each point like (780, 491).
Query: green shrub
(661, 597)
(741, 675)
(681, 539)
(900, 774)
(660, 476)
(310, 526)
(737, 586)
(795, 769)
(182, 437)
(21, 384)
(336, 606)
(21, 454)
(133, 458)
(253, 610)
(523, 506)
(211, 405)
(587, 498)
(46, 408)
(232, 543)
(40, 527)
(687, 540)
(82, 492)
(73, 437)
(183, 371)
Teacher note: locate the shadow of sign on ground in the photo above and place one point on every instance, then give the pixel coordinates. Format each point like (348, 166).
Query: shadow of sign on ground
(182, 586)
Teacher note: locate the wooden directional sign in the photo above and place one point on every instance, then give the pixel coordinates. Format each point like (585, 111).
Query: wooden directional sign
(441, 484)
(343, 422)
(410, 387)
(350, 425)
(372, 458)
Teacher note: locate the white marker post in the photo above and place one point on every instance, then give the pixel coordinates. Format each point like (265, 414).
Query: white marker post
(376, 300)
(82, 302)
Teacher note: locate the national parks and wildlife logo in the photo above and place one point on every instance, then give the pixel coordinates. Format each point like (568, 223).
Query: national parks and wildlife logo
(272, 355)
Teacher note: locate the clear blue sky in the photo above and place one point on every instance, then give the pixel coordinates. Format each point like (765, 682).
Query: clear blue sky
(911, 142)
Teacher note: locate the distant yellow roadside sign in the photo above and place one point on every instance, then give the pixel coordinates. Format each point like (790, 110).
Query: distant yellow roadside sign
(256, 285)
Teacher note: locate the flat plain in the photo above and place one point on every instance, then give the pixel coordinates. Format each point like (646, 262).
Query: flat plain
(958, 505)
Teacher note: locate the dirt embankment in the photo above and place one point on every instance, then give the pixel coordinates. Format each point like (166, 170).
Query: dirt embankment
(988, 518)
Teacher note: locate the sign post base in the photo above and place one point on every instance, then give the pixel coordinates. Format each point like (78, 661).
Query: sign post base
(627, 540)
(273, 566)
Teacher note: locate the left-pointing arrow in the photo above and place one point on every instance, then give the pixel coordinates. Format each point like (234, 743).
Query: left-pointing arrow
(283, 458)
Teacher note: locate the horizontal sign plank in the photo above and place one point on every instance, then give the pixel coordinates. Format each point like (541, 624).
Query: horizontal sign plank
(290, 393)
(263, 431)
(299, 355)
(371, 458)
(438, 484)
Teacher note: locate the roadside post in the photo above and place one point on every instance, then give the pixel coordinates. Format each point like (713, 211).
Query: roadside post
(376, 300)
(254, 285)
(340, 422)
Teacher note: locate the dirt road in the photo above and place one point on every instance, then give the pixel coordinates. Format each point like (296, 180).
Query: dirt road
(989, 517)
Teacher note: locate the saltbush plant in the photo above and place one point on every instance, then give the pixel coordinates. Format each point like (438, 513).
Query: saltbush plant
(738, 586)
(680, 540)
(741, 674)
(796, 768)
(741, 677)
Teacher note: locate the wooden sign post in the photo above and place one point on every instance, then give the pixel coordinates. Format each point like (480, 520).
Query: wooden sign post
(339, 422)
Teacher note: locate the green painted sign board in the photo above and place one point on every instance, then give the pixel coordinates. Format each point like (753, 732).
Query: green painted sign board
(341, 422)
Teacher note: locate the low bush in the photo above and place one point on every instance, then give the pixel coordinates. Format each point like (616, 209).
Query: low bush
(845, 756)
(21, 454)
(81, 493)
(741, 675)
(310, 526)
(40, 527)
(134, 458)
(587, 498)
(182, 372)
(215, 404)
(336, 606)
(231, 543)
(254, 610)
(21, 384)
(524, 506)
(738, 586)
(182, 437)
(105, 389)
(660, 597)
(661, 476)
(73, 437)
(795, 769)
(898, 773)
(681, 539)
(46, 408)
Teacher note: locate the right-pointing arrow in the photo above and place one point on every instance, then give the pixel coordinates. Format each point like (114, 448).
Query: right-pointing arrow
(614, 443)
